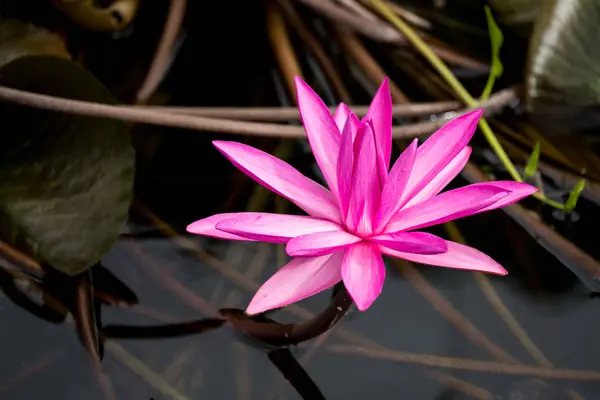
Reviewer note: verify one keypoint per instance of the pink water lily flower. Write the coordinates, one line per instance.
(368, 210)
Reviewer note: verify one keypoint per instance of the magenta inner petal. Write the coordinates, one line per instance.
(320, 243)
(412, 242)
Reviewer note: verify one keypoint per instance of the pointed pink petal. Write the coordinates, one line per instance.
(342, 113)
(412, 242)
(281, 178)
(441, 180)
(274, 228)
(440, 149)
(518, 191)
(366, 190)
(380, 113)
(300, 278)
(207, 227)
(391, 196)
(320, 243)
(447, 206)
(345, 163)
(363, 273)
(458, 256)
(321, 130)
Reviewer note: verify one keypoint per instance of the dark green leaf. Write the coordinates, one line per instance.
(18, 39)
(66, 181)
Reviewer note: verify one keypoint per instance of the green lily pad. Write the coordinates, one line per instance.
(564, 60)
(66, 181)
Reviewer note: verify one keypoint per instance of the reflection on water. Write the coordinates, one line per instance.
(433, 334)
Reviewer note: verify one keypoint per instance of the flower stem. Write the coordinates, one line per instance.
(460, 91)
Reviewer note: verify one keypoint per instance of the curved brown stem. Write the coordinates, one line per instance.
(149, 116)
(273, 333)
(162, 57)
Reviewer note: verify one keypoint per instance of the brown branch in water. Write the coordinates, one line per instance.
(377, 31)
(367, 62)
(504, 313)
(156, 315)
(382, 32)
(409, 16)
(20, 259)
(162, 57)
(282, 47)
(31, 369)
(291, 113)
(467, 364)
(142, 370)
(358, 9)
(176, 367)
(242, 371)
(498, 305)
(458, 384)
(315, 48)
(149, 116)
(189, 297)
(451, 314)
(562, 248)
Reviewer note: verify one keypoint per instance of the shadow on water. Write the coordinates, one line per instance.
(162, 316)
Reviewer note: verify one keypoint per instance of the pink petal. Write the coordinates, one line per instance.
(380, 113)
(518, 191)
(320, 243)
(391, 196)
(458, 256)
(345, 163)
(322, 132)
(366, 190)
(363, 273)
(342, 113)
(447, 206)
(274, 228)
(282, 179)
(440, 149)
(300, 278)
(441, 180)
(412, 242)
(207, 227)
(382, 164)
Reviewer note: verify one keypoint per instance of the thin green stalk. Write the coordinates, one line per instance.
(499, 150)
(460, 91)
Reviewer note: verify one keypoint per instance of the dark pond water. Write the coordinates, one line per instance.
(433, 334)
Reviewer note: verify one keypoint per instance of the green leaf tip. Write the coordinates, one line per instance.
(532, 163)
(496, 40)
(571, 202)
